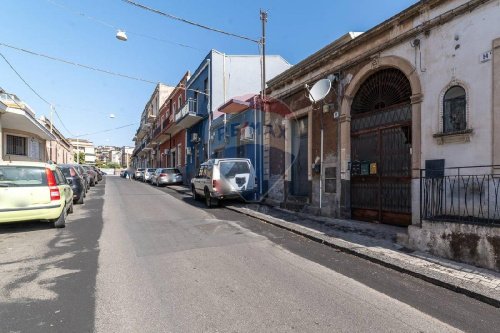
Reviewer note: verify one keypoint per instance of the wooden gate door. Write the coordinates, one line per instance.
(381, 149)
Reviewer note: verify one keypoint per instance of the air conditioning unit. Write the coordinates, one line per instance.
(247, 133)
(194, 137)
(166, 151)
(188, 151)
(153, 152)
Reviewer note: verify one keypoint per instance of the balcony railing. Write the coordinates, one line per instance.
(164, 124)
(156, 132)
(189, 108)
(466, 195)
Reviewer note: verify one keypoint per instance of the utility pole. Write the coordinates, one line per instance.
(263, 18)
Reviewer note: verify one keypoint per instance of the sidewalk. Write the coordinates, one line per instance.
(377, 243)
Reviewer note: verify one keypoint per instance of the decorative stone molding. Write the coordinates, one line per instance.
(454, 137)
(416, 98)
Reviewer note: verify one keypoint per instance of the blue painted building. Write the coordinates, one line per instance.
(217, 78)
(239, 133)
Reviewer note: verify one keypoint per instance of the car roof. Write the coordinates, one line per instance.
(28, 163)
(218, 160)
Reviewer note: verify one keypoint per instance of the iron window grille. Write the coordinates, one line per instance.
(454, 110)
(16, 145)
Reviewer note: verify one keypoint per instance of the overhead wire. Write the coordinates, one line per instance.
(106, 130)
(77, 64)
(109, 25)
(199, 25)
(36, 93)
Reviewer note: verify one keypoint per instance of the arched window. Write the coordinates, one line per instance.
(454, 110)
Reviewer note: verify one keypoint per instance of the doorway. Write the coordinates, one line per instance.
(381, 149)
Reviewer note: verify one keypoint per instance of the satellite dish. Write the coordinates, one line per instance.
(319, 90)
(121, 35)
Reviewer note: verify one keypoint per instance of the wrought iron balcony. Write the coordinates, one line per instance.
(188, 114)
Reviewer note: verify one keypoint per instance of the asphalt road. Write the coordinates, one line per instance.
(135, 258)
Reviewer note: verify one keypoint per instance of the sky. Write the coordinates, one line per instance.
(158, 49)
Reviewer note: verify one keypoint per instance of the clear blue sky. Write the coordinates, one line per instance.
(85, 99)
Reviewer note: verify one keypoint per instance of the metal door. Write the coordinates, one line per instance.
(381, 185)
(300, 184)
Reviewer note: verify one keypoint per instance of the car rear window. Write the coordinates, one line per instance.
(22, 176)
(232, 168)
(151, 170)
(170, 171)
(68, 171)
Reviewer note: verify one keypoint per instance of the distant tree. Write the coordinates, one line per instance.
(99, 163)
(112, 165)
(81, 158)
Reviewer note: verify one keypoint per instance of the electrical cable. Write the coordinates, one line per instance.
(106, 130)
(77, 64)
(109, 25)
(92, 68)
(173, 17)
(35, 92)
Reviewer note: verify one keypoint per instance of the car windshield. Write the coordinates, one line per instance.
(151, 170)
(232, 168)
(22, 176)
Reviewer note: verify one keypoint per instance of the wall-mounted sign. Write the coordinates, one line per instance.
(365, 168)
(486, 56)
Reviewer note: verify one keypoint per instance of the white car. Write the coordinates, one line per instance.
(225, 178)
(147, 174)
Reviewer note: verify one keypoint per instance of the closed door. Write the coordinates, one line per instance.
(300, 184)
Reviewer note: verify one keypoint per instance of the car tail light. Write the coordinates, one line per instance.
(163, 175)
(51, 181)
(214, 184)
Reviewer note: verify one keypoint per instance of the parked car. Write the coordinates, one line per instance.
(92, 175)
(34, 191)
(147, 174)
(98, 172)
(166, 176)
(139, 174)
(219, 179)
(75, 180)
(84, 174)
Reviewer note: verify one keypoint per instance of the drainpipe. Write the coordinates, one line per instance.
(209, 106)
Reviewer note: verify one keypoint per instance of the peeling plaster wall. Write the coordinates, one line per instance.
(473, 244)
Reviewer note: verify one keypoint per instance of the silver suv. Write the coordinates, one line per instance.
(225, 178)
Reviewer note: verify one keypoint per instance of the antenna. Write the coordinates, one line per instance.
(319, 90)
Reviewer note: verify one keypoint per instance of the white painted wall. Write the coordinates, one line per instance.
(443, 64)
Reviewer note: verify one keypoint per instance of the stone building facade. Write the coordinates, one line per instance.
(410, 126)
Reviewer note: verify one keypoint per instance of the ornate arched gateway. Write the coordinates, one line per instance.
(381, 123)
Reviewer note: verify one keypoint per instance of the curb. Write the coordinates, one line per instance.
(450, 286)
(344, 248)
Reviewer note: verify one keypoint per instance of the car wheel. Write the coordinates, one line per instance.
(80, 199)
(61, 221)
(209, 201)
(195, 195)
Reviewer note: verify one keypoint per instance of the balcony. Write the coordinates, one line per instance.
(156, 132)
(151, 117)
(188, 115)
